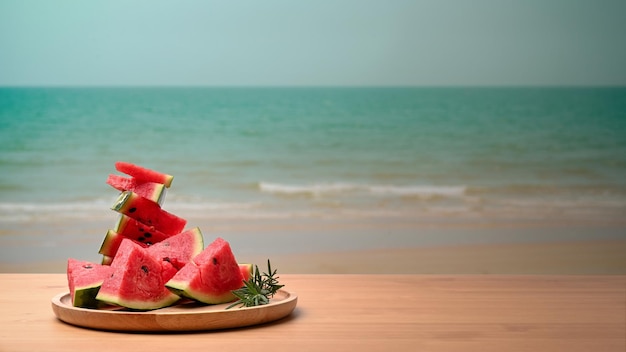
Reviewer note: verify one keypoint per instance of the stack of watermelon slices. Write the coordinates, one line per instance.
(149, 260)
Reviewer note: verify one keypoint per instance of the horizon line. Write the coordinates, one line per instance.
(279, 86)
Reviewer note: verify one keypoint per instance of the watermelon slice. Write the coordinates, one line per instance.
(137, 280)
(179, 249)
(84, 280)
(112, 242)
(150, 190)
(138, 231)
(148, 212)
(210, 276)
(130, 228)
(143, 174)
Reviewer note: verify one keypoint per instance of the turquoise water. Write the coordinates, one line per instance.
(431, 153)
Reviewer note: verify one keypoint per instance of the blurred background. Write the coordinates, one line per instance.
(483, 137)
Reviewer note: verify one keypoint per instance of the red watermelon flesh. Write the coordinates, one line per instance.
(143, 174)
(137, 281)
(168, 270)
(210, 276)
(148, 212)
(112, 242)
(84, 280)
(150, 190)
(246, 271)
(179, 249)
(138, 231)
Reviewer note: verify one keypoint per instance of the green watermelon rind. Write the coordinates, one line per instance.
(106, 247)
(181, 288)
(162, 194)
(85, 296)
(166, 301)
(121, 205)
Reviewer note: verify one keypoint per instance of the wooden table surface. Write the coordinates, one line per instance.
(362, 312)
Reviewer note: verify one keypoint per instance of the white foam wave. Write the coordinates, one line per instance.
(54, 207)
(383, 190)
(316, 189)
(200, 208)
(424, 191)
(15, 212)
(101, 209)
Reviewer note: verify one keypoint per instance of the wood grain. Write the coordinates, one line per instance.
(363, 312)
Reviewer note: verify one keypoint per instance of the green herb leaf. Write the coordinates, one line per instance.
(258, 290)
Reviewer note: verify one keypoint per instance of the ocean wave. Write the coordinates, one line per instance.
(209, 206)
(315, 189)
(19, 212)
(322, 189)
(421, 191)
(101, 209)
(337, 200)
(515, 189)
(58, 207)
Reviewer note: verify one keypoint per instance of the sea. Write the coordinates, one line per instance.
(438, 156)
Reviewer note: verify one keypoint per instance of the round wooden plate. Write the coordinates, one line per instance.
(181, 317)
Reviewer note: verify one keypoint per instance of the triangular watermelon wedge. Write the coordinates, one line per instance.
(144, 174)
(210, 277)
(179, 249)
(137, 280)
(149, 213)
(149, 190)
(84, 280)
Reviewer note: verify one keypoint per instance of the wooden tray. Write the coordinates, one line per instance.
(181, 317)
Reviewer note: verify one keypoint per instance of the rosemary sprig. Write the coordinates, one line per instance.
(258, 290)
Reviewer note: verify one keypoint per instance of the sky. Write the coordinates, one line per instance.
(312, 43)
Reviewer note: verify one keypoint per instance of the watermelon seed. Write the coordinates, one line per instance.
(144, 268)
(149, 243)
(140, 239)
(147, 234)
(214, 261)
(167, 259)
(87, 266)
(132, 210)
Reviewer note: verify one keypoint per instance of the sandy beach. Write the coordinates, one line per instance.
(298, 246)
(566, 258)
